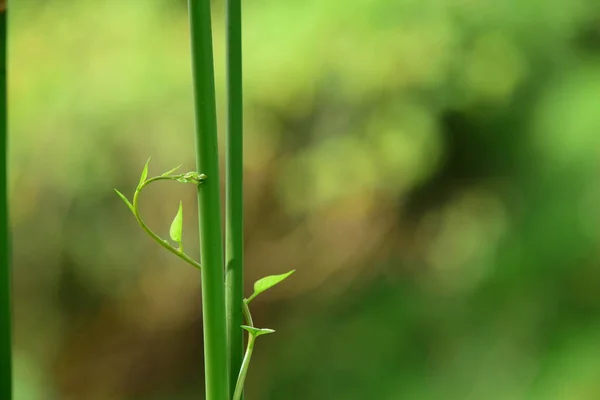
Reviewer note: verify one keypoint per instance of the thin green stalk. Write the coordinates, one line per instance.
(247, 314)
(209, 208)
(239, 388)
(234, 239)
(5, 286)
(253, 333)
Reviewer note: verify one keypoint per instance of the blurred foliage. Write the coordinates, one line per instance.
(429, 167)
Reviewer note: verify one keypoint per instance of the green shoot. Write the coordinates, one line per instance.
(176, 230)
(176, 234)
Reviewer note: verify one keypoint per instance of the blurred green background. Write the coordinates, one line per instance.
(430, 168)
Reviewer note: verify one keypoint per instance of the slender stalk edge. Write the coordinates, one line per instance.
(5, 275)
(239, 388)
(209, 208)
(234, 233)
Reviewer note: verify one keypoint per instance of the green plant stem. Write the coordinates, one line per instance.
(239, 387)
(153, 235)
(5, 286)
(234, 239)
(209, 207)
(247, 315)
(243, 370)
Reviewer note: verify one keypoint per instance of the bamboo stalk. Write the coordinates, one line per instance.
(234, 257)
(209, 208)
(5, 286)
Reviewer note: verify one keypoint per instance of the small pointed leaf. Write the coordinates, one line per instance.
(169, 172)
(122, 196)
(144, 173)
(257, 331)
(268, 282)
(177, 225)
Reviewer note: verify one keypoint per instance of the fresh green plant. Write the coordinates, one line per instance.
(177, 225)
(176, 247)
(223, 303)
(5, 303)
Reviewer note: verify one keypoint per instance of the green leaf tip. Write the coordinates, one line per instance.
(122, 196)
(177, 226)
(169, 172)
(268, 282)
(144, 173)
(255, 332)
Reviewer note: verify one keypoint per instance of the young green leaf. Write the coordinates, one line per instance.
(268, 282)
(122, 196)
(144, 173)
(257, 331)
(169, 172)
(177, 226)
